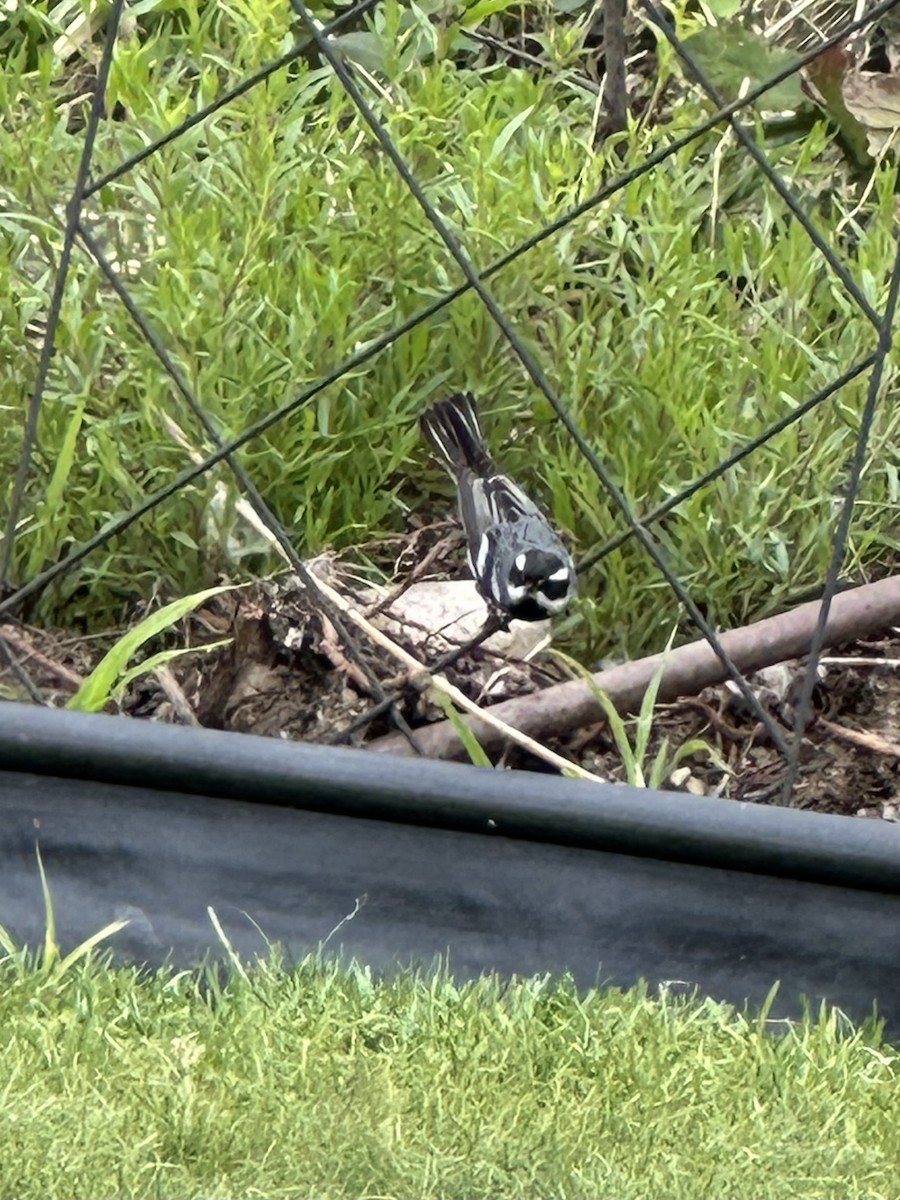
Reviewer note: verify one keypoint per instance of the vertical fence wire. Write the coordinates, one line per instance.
(225, 449)
(842, 530)
(73, 216)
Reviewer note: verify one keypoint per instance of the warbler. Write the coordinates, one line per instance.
(518, 561)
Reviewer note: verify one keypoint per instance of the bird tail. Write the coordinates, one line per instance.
(451, 426)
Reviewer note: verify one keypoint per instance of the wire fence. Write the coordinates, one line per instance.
(476, 279)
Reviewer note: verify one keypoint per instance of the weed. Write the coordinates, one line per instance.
(270, 242)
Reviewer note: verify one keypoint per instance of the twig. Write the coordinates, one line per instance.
(688, 669)
(718, 722)
(421, 568)
(421, 674)
(20, 673)
(867, 739)
(71, 681)
(175, 695)
(332, 647)
(490, 627)
(892, 664)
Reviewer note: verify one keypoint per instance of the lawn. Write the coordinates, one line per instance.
(320, 1081)
(274, 240)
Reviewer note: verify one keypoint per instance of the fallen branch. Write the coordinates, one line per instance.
(689, 669)
(503, 731)
(174, 693)
(868, 739)
(69, 681)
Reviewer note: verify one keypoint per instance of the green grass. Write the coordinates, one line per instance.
(274, 240)
(325, 1082)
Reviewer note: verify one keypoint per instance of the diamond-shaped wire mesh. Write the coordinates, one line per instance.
(451, 261)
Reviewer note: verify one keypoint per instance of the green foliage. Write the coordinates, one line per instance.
(112, 674)
(50, 965)
(271, 242)
(731, 55)
(476, 752)
(640, 770)
(323, 1081)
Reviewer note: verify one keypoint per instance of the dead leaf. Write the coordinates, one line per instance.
(873, 98)
(823, 80)
(890, 27)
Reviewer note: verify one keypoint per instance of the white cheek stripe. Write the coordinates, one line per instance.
(484, 549)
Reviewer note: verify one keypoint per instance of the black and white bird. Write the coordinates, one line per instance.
(519, 563)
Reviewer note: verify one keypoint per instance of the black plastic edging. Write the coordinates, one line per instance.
(515, 804)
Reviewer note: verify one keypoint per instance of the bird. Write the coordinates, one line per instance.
(518, 561)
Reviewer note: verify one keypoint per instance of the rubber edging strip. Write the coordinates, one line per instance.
(671, 826)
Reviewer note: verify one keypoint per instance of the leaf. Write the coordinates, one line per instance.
(873, 98)
(723, 10)
(160, 660)
(482, 9)
(823, 80)
(633, 772)
(53, 496)
(648, 703)
(51, 949)
(728, 54)
(98, 687)
(474, 748)
(508, 131)
(361, 47)
(84, 948)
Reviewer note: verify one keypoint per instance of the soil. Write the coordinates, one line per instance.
(286, 671)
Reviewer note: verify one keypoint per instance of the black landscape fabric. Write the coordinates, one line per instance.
(469, 894)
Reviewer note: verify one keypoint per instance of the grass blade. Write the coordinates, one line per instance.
(85, 947)
(474, 748)
(51, 949)
(97, 689)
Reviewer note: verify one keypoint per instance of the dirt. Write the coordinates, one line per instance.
(850, 755)
(287, 671)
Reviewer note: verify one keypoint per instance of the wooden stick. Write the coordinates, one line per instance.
(689, 669)
(502, 730)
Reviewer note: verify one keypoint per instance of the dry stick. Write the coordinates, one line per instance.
(69, 680)
(867, 739)
(893, 664)
(417, 671)
(421, 568)
(488, 629)
(616, 97)
(25, 680)
(174, 693)
(687, 671)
